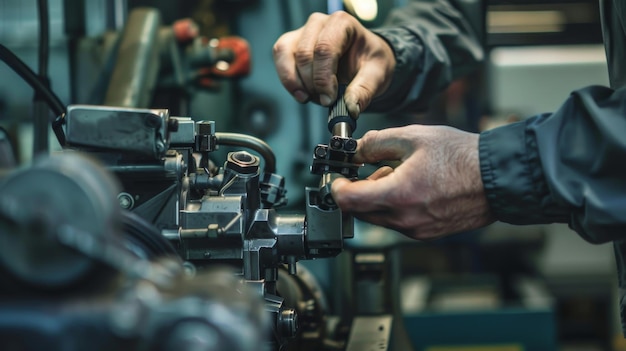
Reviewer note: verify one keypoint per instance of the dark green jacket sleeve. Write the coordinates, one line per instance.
(434, 43)
(569, 166)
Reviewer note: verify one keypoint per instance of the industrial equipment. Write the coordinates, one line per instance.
(151, 209)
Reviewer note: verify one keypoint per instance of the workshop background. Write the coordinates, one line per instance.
(500, 288)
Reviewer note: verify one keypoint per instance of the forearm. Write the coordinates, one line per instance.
(563, 167)
(434, 44)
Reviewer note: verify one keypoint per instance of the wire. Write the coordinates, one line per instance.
(44, 38)
(41, 115)
(19, 67)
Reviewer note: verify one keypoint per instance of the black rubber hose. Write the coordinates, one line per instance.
(256, 144)
(41, 111)
(44, 38)
(19, 67)
(57, 107)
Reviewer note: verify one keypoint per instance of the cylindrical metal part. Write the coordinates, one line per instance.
(65, 192)
(288, 322)
(133, 79)
(325, 189)
(242, 162)
(338, 114)
(256, 144)
(342, 129)
(171, 234)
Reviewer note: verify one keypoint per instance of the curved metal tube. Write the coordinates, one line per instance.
(253, 143)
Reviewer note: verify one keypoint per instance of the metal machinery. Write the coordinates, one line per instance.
(210, 214)
(60, 221)
(137, 236)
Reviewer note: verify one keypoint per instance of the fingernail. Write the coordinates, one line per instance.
(325, 100)
(301, 96)
(353, 109)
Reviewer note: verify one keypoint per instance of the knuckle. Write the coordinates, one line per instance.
(369, 136)
(324, 50)
(284, 43)
(303, 56)
(321, 81)
(341, 16)
(278, 48)
(316, 17)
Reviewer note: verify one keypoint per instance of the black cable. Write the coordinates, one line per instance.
(44, 38)
(41, 112)
(19, 67)
(256, 144)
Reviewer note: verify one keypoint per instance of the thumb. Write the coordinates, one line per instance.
(382, 145)
(361, 195)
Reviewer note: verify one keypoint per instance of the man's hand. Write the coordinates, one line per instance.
(308, 61)
(436, 190)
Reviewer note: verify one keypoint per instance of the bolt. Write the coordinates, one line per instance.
(320, 152)
(336, 143)
(207, 254)
(126, 201)
(350, 145)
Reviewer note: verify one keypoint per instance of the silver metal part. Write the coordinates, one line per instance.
(140, 131)
(342, 129)
(67, 190)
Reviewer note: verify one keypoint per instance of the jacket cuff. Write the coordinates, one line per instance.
(512, 175)
(407, 48)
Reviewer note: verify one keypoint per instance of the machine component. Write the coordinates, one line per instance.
(148, 302)
(336, 156)
(217, 216)
(134, 77)
(34, 210)
(139, 131)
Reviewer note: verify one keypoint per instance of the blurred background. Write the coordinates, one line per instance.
(499, 288)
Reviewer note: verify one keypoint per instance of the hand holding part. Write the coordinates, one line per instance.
(313, 59)
(436, 190)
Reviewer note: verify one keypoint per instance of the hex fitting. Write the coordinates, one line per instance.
(242, 162)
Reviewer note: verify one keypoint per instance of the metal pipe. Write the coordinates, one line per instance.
(134, 77)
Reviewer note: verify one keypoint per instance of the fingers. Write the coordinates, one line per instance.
(373, 76)
(285, 63)
(362, 195)
(383, 145)
(381, 172)
(332, 42)
(305, 49)
(307, 59)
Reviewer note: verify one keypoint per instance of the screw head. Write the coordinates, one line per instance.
(126, 200)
